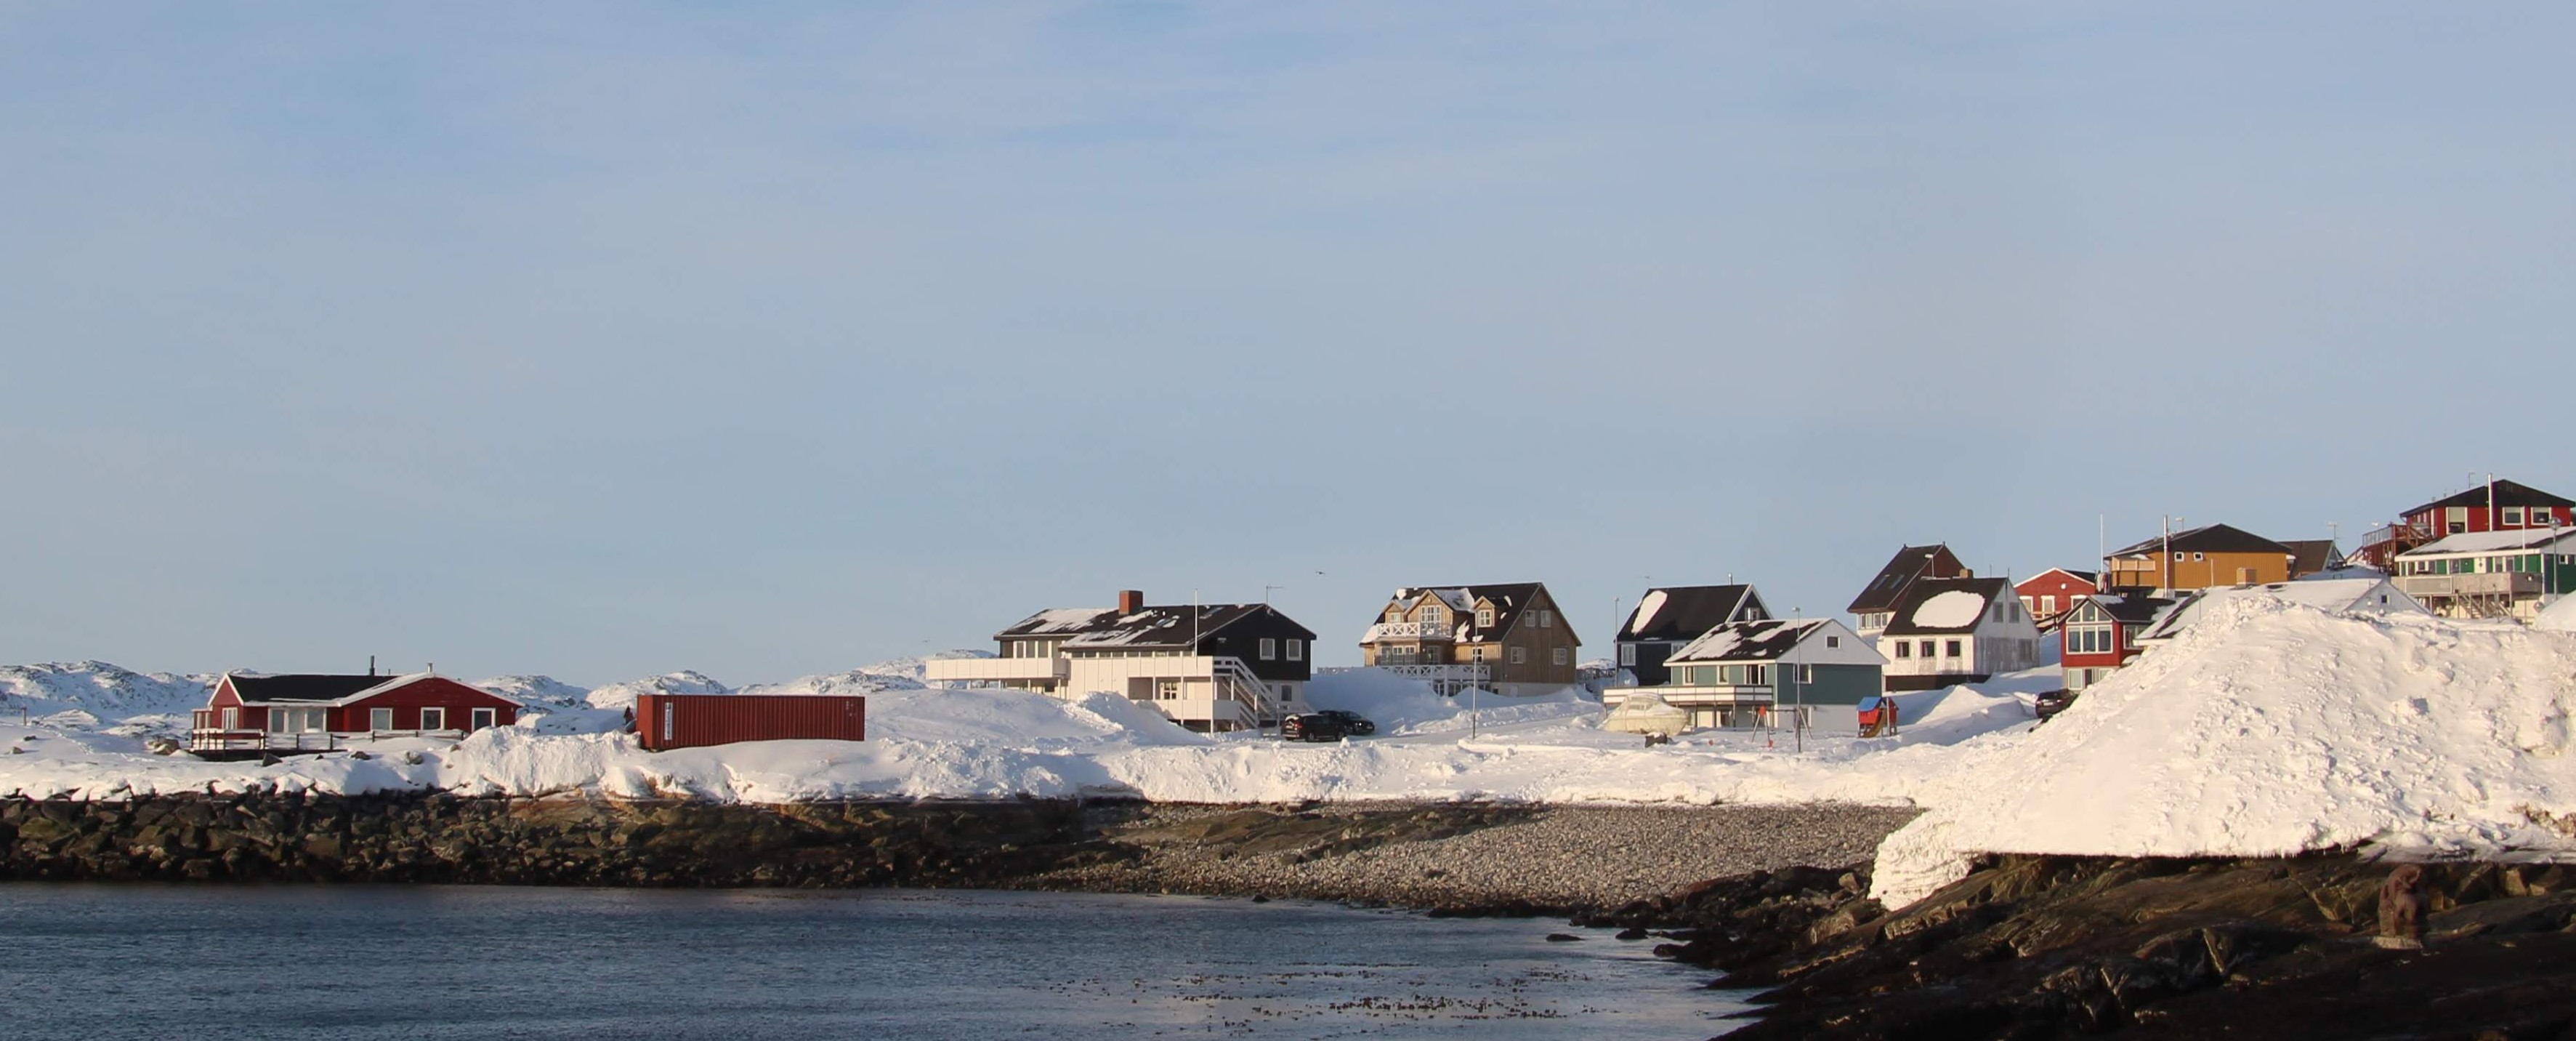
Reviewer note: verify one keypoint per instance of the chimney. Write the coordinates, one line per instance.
(1130, 601)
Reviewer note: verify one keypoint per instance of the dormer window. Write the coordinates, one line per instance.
(1485, 617)
(1431, 615)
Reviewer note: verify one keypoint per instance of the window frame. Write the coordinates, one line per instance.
(380, 719)
(1520, 656)
(427, 712)
(1269, 648)
(1296, 649)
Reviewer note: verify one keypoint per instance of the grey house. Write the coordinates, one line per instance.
(1740, 673)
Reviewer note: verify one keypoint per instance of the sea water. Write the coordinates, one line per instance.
(473, 962)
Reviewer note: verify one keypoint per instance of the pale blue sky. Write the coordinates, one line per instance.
(603, 340)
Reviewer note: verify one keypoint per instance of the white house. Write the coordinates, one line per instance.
(1210, 667)
(1947, 631)
(2491, 574)
(2340, 595)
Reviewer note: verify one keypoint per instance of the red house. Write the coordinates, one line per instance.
(2494, 506)
(2054, 592)
(2101, 634)
(252, 714)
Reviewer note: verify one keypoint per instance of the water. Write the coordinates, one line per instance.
(108, 962)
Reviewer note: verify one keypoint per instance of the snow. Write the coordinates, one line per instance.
(1646, 608)
(1955, 609)
(2558, 617)
(2493, 541)
(2269, 728)
(2274, 728)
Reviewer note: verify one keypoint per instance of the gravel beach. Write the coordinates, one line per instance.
(1449, 855)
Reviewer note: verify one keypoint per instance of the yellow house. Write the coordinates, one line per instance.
(2200, 558)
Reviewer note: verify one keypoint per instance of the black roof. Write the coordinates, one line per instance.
(1764, 640)
(2138, 610)
(1902, 623)
(2208, 538)
(1160, 626)
(2309, 556)
(2507, 493)
(1908, 564)
(1689, 611)
(303, 687)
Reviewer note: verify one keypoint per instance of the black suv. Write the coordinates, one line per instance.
(1352, 723)
(1314, 726)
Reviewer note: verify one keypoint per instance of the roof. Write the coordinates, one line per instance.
(2090, 578)
(2492, 541)
(312, 687)
(1164, 626)
(1748, 641)
(2208, 538)
(2345, 594)
(2134, 610)
(1684, 612)
(1509, 600)
(2308, 556)
(319, 689)
(1948, 613)
(2507, 493)
(1908, 564)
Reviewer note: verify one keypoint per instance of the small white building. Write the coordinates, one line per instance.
(2339, 595)
(1947, 631)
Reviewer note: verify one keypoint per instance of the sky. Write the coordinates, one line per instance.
(604, 340)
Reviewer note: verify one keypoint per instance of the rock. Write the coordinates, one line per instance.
(156, 746)
(1563, 938)
(359, 754)
(1633, 933)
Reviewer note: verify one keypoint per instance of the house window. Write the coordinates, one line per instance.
(1923, 648)
(2047, 605)
(2513, 515)
(1485, 617)
(1627, 654)
(433, 719)
(1167, 689)
(2195, 558)
(1833, 641)
(1559, 655)
(484, 718)
(1520, 655)
(1475, 654)
(232, 718)
(1431, 616)
(1296, 650)
(1904, 649)
(1950, 649)
(1269, 648)
(380, 719)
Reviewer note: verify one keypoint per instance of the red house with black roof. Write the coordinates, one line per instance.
(2498, 505)
(252, 714)
(2100, 634)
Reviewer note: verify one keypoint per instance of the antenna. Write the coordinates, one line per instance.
(1266, 591)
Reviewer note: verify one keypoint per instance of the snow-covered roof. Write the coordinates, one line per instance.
(1945, 605)
(323, 689)
(2357, 595)
(1510, 599)
(1773, 639)
(2493, 542)
(1173, 625)
(1685, 612)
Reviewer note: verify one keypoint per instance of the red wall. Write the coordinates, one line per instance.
(722, 719)
(2435, 520)
(433, 692)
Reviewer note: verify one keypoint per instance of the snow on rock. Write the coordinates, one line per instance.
(2273, 728)
(622, 695)
(1950, 610)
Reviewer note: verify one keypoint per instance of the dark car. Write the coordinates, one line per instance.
(2052, 703)
(1352, 723)
(1313, 726)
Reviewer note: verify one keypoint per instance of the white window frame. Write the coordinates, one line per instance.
(1627, 654)
(1520, 655)
(2513, 515)
(483, 718)
(232, 717)
(1296, 649)
(380, 719)
(1269, 649)
(425, 715)
(1558, 656)
(1484, 618)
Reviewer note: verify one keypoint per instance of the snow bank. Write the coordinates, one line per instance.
(2560, 617)
(2270, 729)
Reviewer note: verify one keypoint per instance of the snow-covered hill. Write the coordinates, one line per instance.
(97, 695)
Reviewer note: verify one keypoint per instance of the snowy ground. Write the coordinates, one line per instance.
(2272, 728)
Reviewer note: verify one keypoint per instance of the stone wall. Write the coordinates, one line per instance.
(542, 841)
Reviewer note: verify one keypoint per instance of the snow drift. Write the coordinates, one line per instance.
(2271, 729)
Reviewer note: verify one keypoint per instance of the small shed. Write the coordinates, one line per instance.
(667, 721)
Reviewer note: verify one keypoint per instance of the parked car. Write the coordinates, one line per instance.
(1313, 726)
(2052, 703)
(1352, 723)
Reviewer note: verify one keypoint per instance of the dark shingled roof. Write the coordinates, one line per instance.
(2208, 538)
(1163, 626)
(1909, 563)
(303, 687)
(1689, 611)
(1902, 624)
(2136, 610)
(1765, 640)
(2309, 556)
(2507, 493)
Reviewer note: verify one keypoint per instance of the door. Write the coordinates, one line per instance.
(483, 717)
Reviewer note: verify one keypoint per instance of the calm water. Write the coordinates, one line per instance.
(104, 962)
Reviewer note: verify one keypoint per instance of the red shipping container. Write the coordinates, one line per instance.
(665, 721)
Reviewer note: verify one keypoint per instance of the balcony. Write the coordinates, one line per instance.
(993, 670)
(2516, 584)
(1383, 631)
